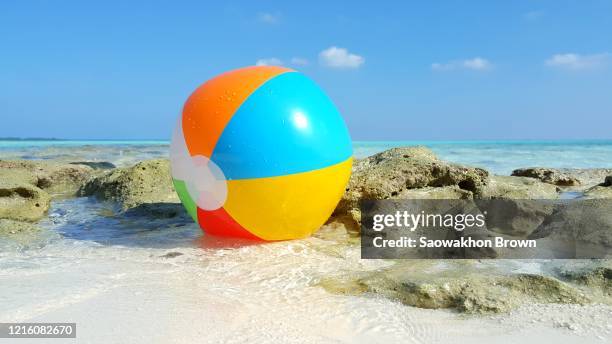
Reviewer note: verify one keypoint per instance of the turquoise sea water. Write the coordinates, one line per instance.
(499, 157)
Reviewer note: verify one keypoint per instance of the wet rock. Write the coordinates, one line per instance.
(518, 188)
(96, 165)
(23, 234)
(337, 233)
(457, 287)
(333, 240)
(511, 208)
(158, 211)
(582, 227)
(547, 175)
(515, 217)
(596, 278)
(12, 227)
(172, 254)
(146, 182)
(21, 201)
(445, 192)
(57, 179)
(587, 177)
(603, 190)
(395, 172)
(18, 176)
(598, 192)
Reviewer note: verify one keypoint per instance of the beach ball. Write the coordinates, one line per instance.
(260, 153)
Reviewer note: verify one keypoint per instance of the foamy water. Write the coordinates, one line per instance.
(137, 281)
(133, 281)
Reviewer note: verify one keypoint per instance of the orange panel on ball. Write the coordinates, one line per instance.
(212, 105)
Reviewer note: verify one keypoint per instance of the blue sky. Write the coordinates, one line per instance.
(443, 70)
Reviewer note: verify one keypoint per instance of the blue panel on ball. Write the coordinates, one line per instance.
(288, 125)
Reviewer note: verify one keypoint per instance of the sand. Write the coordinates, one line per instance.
(209, 291)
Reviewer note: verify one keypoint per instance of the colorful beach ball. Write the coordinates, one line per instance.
(260, 153)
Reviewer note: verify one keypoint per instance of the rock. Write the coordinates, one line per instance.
(598, 192)
(159, 211)
(584, 227)
(515, 217)
(96, 165)
(397, 172)
(596, 278)
(57, 179)
(18, 176)
(21, 201)
(338, 234)
(547, 175)
(456, 286)
(172, 254)
(26, 188)
(603, 190)
(20, 235)
(146, 182)
(518, 188)
(12, 227)
(587, 177)
(512, 210)
(445, 192)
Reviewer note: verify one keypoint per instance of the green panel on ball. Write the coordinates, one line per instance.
(190, 205)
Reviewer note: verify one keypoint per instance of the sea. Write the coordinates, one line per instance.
(499, 157)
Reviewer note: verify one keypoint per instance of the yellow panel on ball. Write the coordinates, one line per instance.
(290, 206)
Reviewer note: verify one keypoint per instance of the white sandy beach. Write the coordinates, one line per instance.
(262, 293)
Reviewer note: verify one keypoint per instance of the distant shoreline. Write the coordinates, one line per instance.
(30, 139)
(74, 140)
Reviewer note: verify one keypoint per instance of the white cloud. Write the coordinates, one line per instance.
(578, 62)
(271, 61)
(268, 17)
(299, 61)
(477, 63)
(335, 57)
